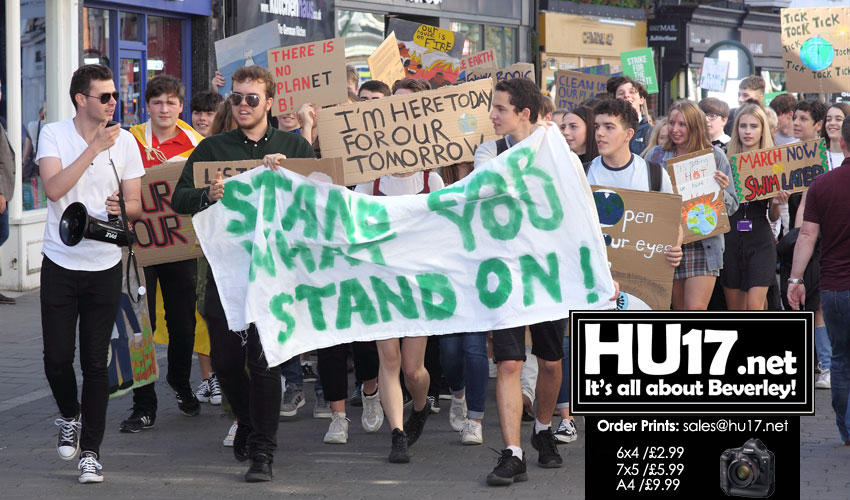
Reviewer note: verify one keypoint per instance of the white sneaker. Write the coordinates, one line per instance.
(457, 413)
(566, 432)
(203, 392)
(231, 435)
(373, 412)
(471, 433)
(90, 468)
(823, 380)
(337, 430)
(215, 390)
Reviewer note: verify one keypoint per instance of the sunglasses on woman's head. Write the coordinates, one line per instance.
(104, 98)
(252, 100)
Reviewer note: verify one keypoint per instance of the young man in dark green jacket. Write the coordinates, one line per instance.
(255, 398)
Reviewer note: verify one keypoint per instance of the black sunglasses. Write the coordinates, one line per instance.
(104, 98)
(252, 100)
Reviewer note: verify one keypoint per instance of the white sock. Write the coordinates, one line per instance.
(340, 413)
(516, 450)
(541, 427)
(459, 400)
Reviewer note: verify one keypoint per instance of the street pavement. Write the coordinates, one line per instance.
(183, 457)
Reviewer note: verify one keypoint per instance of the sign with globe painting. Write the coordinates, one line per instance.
(638, 227)
(703, 208)
(816, 49)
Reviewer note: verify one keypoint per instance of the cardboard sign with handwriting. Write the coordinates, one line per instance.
(638, 227)
(385, 63)
(518, 70)
(703, 206)
(325, 169)
(815, 49)
(406, 133)
(484, 59)
(162, 234)
(572, 88)
(761, 174)
(311, 72)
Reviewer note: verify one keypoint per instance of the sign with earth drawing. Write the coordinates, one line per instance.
(703, 206)
(816, 49)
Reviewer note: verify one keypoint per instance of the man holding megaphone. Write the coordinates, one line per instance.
(81, 160)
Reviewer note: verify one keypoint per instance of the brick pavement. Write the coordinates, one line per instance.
(183, 457)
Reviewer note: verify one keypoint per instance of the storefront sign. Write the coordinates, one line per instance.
(816, 49)
(640, 66)
(385, 63)
(410, 132)
(298, 21)
(429, 53)
(573, 88)
(713, 74)
(665, 32)
(703, 211)
(597, 38)
(638, 228)
(793, 167)
(312, 72)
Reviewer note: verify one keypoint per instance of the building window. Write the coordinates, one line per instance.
(503, 41)
(363, 33)
(473, 36)
(96, 45)
(164, 54)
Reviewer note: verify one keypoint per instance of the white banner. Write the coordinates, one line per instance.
(515, 243)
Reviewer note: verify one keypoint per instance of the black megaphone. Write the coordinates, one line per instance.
(76, 224)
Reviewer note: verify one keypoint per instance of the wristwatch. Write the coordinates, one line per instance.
(795, 281)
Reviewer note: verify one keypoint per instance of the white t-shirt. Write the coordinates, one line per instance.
(835, 159)
(390, 185)
(61, 140)
(633, 175)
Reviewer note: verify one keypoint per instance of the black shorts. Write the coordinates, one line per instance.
(546, 342)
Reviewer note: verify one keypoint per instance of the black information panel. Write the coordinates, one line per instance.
(692, 404)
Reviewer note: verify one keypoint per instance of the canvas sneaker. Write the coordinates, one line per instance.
(90, 468)
(322, 408)
(337, 430)
(215, 390)
(434, 404)
(566, 432)
(203, 391)
(373, 413)
(231, 435)
(509, 469)
(292, 400)
(68, 443)
(823, 380)
(471, 433)
(457, 414)
(188, 403)
(138, 421)
(308, 374)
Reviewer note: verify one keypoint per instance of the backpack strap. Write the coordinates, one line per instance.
(375, 185)
(501, 146)
(586, 166)
(654, 172)
(427, 186)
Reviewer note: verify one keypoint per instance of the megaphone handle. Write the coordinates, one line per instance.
(125, 221)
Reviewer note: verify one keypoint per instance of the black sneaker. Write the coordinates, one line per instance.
(188, 403)
(260, 469)
(545, 443)
(240, 442)
(509, 469)
(138, 421)
(399, 454)
(357, 396)
(308, 374)
(416, 422)
(68, 443)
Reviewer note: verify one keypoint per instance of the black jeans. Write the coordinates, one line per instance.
(93, 296)
(177, 281)
(254, 397)
(333, 370)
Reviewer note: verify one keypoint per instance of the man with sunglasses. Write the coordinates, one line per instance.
(79, 160)
(253, 396)
(162, 139)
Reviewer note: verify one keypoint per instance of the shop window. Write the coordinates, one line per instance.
(129, 26)
(503, 41)
(164, 55)
(33, 92)
(363, 33)
(473, 36)
(96, 37)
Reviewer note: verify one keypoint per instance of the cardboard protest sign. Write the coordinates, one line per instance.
(427, 52)
(385, 63)
(572, 88)
(713, 74)
(638, 227)
(815, 49)
(640, 66)
(793, 167)
(162, 234)
(703, 206)
(311, 72)
(485, 59)
(314, 265)
(408, 132)
(245, 49)
(518, 70)
(324, 170)
(601, 69)
(132, 358)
